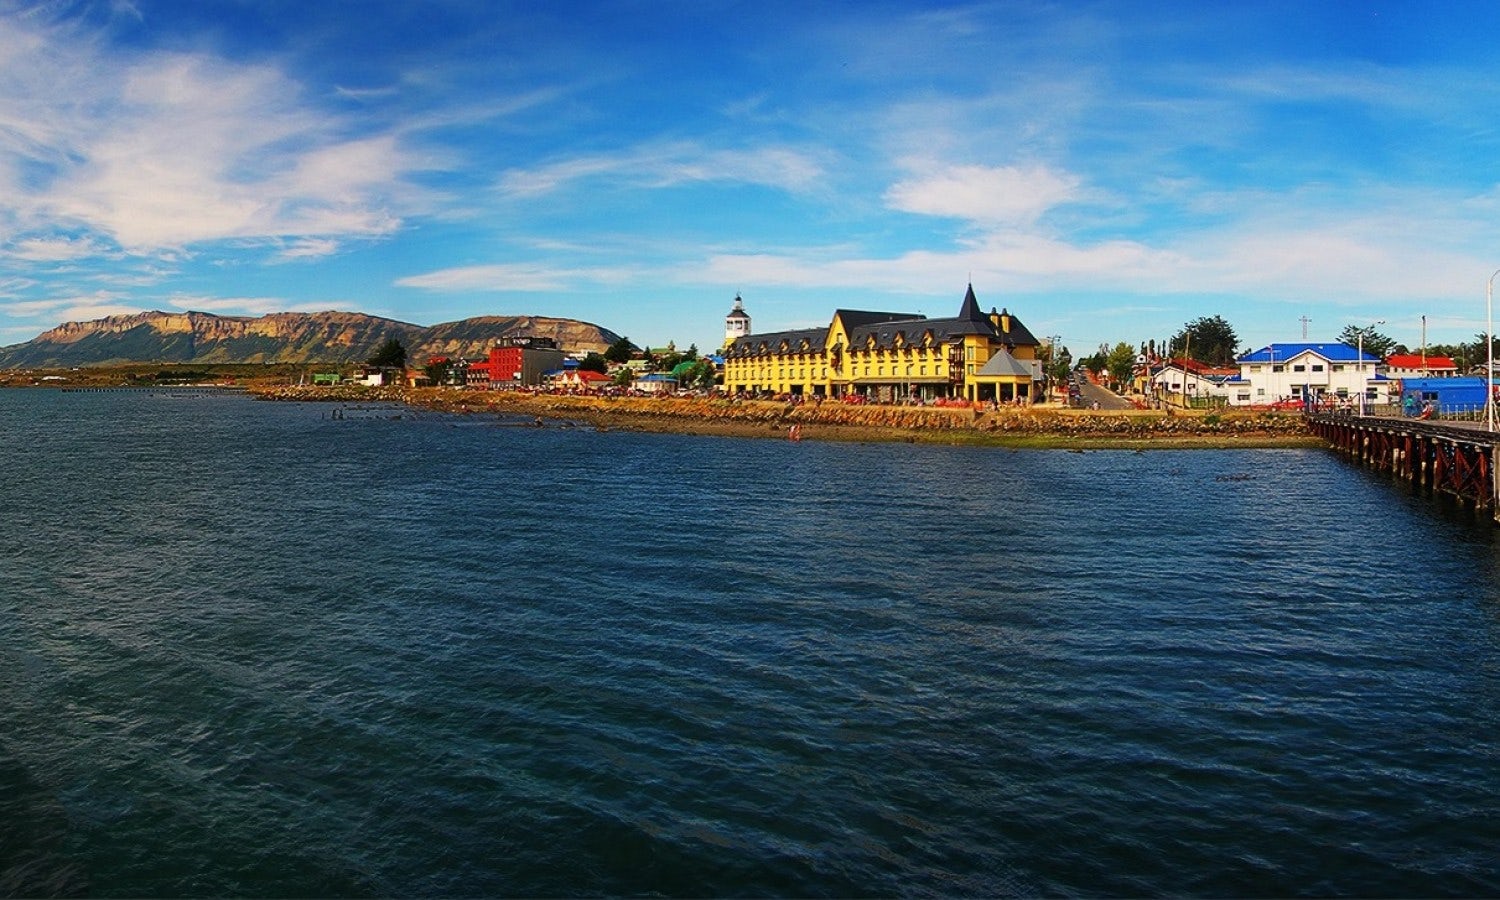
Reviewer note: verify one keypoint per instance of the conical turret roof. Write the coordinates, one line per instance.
(970, 310)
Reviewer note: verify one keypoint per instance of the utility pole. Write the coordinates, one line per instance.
(1304, 320)
(1187, 343)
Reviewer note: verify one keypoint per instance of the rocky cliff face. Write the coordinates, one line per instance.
(326, 337)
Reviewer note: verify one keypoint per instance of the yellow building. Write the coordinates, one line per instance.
(887, 357)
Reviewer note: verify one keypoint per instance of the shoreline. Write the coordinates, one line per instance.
(1008, 427)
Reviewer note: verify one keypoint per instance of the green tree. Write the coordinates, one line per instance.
(702, 375)
(437, 372)
(593, 362)
(1098, 362)
(1058, 362)
(1208, 339)
(1121, 363)
(389, 355)
(1374, 342)
(620, 351)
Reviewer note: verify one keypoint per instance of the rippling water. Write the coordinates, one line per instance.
(254, 649)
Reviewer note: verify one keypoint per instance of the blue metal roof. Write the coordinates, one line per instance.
(1333, 352)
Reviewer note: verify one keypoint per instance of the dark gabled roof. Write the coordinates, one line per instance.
(912, 331)
(886, 327)
(815, 337)
(1019, 335)
(859, 318)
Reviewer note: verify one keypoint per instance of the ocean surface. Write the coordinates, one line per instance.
(270, 649)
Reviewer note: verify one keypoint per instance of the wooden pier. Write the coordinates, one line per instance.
(1453, 458)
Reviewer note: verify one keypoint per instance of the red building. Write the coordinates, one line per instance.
(515, 361)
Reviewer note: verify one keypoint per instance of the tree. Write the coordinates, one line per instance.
(620, 351)
(593, 362)
(1096, 363)
(437, 372)
(1374, 342)
(389, 355)
(700, 375)
(1121, 363)
(1208, 339)
(1058, 362)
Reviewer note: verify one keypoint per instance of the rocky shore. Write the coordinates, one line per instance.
(833, 421)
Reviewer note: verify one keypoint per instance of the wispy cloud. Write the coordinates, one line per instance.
(987, 194)
(501, 277)
(60, 249)
(307, 248)
(667, 165)
(77, 308)
(171, 149)
(248, 306)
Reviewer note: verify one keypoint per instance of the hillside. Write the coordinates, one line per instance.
(333, 338)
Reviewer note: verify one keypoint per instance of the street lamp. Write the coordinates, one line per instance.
(1360, 351)
(1489, 353)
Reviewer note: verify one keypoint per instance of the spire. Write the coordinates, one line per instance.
(970, 310)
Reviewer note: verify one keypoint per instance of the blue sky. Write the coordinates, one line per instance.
(1107, 171)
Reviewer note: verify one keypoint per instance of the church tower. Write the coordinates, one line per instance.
(737, 323)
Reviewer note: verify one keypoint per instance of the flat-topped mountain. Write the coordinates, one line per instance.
(325, 337)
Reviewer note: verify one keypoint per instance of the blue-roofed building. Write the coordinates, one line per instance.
(1308, 371)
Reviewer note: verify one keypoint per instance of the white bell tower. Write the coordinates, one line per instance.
(737, 323)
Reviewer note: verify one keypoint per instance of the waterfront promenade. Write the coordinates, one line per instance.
(832, 420)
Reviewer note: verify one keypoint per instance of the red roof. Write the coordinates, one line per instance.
(1194, 367)
(590, 375)
(1415, 361)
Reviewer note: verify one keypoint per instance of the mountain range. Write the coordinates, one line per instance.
(331, 338)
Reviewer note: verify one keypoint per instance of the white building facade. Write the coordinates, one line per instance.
(1296, 372)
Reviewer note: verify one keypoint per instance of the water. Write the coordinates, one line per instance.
(251, 649)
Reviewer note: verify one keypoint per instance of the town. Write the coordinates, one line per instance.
(974, 358)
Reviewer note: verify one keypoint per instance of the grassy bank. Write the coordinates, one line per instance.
(1006, 427)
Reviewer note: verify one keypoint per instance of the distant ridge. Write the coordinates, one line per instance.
(332, 338)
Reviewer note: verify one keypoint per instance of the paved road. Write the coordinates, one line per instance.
(1107, 399)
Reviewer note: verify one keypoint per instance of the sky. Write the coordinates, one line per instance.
(1106, 171)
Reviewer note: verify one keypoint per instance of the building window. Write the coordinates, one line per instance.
(1338, 368)
(1299, 368)
(1317, 367)
(1278, 368)
(1243, 396)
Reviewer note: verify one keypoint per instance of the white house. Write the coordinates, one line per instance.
(1186, 378)
(1280, 372)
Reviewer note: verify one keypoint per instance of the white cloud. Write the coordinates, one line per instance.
(987, 194)
(501, 277)
(308, 248)
(56, 249)
(29, 308)
(244, 306)
(77, 308)
(9, 287)
(667, 165)
(164, 150)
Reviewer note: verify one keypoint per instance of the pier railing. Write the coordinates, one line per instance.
(1449, 456)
